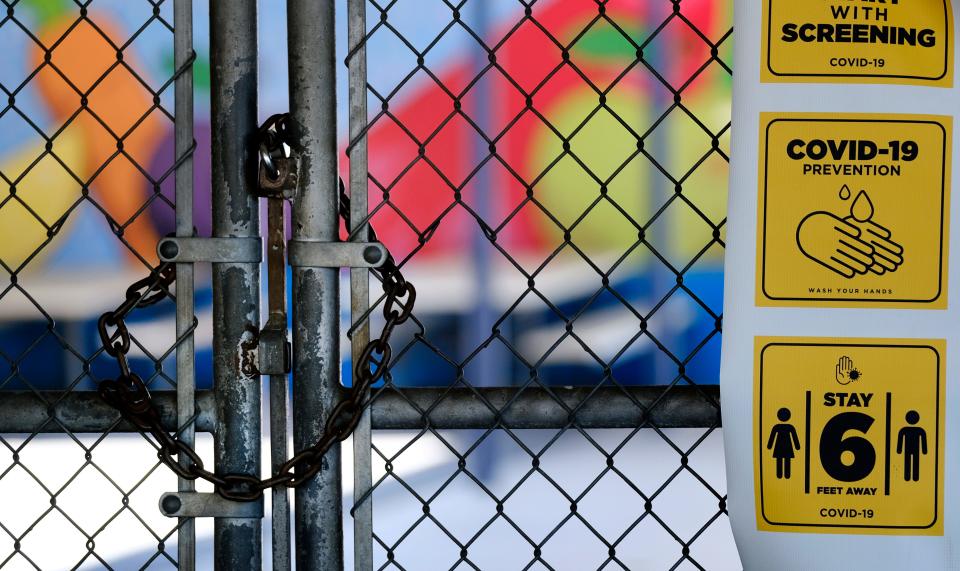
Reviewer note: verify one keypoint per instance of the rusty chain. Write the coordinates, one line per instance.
(129, 395)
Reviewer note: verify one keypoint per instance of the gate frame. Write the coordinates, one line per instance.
(232, 410)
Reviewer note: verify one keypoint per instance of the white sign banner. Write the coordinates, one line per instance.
(840, 338)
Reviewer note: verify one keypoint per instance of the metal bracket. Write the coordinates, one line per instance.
(216, 250)
(273, 349)
(303, 253)
(196, 504)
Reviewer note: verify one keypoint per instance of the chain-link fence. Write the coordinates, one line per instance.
(88, 145)
(551, 175)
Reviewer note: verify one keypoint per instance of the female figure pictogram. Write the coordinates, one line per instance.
(784, 441)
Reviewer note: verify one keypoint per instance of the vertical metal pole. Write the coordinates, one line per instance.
(316, 291)
(277, 294)
(360, 278)
(662, 279)
(490, 365)
(236, 287)
(183, 144)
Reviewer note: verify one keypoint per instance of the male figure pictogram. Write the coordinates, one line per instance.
(783, 440)
(912, 442)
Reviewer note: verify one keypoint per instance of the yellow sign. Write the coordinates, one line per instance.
(849, 435)
(853, 210)
(858, 41)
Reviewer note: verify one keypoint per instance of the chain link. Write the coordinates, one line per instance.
(130, 396)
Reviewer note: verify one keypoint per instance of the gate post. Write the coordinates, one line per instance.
(186, 378)
(236, 286)
(316, 291)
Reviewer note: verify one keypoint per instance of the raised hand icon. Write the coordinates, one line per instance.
(846, 373)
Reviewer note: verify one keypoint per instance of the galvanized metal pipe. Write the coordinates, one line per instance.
(607, 407)
(85, 411)
(316, 328)
(236, 297)
(360, 277)
(183, 145)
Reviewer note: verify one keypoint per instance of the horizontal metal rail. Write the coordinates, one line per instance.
(607, 407)
(392, 409)
(85, 411)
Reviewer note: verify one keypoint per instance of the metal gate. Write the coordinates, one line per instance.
(566, 413)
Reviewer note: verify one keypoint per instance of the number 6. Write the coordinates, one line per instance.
(833, 445)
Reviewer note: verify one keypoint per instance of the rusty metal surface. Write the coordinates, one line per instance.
(236, 286)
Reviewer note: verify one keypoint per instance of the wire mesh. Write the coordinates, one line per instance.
(560, 269)
(558, 185)
(86, 113)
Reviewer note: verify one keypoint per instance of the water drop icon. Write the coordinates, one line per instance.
(862, 209)
(845, 193)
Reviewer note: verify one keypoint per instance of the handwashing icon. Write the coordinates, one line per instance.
(849, 246)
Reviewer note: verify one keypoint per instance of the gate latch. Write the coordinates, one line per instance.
(273, 349)
(196, 504)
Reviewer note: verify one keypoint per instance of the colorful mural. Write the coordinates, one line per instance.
(564, 105)
(87, 137)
